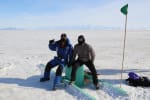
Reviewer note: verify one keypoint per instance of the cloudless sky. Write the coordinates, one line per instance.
(40, 14)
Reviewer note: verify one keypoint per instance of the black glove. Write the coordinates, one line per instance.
(51, 41)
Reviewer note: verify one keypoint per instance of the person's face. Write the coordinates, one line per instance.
(80, 41)
(63, 36)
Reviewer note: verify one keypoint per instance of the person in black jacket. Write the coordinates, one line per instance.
(86, 57)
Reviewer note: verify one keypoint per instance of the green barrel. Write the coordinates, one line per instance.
(79, 75)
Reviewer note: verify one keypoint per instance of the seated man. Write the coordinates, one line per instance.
(64, 55)
(86, 57)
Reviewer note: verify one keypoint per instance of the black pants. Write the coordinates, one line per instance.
(90, 66)
(58, 71)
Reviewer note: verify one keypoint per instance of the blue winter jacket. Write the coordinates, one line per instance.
(64, 53)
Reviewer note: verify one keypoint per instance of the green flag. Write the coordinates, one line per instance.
(124, 9)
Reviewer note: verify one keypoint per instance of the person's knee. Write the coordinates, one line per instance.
(48, 67)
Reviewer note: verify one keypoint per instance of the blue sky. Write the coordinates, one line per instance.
(48, 14)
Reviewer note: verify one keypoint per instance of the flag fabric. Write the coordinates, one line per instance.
(124, 9)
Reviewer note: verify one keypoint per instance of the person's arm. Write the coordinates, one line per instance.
(92, 53)
(74, 54)
(70, 53)
(52, 45)
(70, 56)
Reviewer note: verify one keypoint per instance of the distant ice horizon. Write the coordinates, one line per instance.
(81, 27)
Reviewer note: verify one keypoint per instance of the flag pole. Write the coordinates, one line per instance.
(124, 46)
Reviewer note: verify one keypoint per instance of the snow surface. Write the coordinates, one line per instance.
(21, 52)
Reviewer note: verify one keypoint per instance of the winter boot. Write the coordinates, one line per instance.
(57, 80)
(97, 86)
(71, 82)
(46, 77)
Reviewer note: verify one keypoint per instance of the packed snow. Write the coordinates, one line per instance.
(21, 52)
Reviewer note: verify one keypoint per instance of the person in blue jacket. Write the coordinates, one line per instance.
(64, 51)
